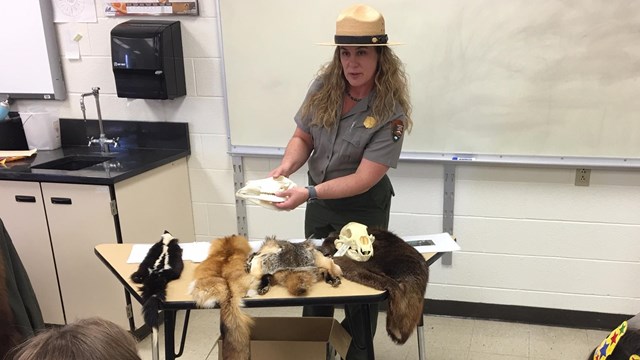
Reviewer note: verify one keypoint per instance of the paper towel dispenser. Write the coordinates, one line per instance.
(147, 59)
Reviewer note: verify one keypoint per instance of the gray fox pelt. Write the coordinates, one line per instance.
(396, 267)
(296, 266)
(222, 279)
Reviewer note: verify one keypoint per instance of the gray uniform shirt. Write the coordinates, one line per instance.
(338, 151)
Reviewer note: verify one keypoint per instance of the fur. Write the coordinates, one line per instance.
(396, 267)
(9, 334)
(162, 264)
(297, 266)
(222, 279)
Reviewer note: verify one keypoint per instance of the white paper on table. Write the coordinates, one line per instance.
(442, 242)
(195, 252)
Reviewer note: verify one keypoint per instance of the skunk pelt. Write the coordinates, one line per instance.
(162, 264)
(396, 267)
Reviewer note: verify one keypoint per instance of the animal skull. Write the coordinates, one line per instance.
(356, 235)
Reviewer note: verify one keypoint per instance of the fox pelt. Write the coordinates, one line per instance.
(222, 279)
(396, 267)
(162, 264)
(296, 266)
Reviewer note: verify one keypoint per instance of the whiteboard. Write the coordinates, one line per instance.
(515, 77)
(30, 62)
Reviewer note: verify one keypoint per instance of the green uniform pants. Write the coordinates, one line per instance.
(322, 217)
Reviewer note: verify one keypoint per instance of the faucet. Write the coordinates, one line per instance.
(102, 140)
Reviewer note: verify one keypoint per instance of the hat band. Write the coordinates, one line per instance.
(368, 39)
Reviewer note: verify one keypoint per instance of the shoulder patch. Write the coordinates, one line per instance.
(397, 129)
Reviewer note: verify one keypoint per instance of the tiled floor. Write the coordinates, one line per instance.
(446, 338)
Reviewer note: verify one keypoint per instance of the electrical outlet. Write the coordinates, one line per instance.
(582, 177)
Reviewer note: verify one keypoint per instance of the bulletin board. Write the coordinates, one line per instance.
(519, 77)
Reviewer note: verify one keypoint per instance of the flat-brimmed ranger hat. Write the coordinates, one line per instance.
(360, 25)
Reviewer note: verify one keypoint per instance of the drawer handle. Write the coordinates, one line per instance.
(25, 198)
(61, 201)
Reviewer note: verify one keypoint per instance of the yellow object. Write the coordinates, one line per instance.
(607, 346)
(14, 155)
(370, 122)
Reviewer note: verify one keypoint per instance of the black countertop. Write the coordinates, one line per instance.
(127, 160)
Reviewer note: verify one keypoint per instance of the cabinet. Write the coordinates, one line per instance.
(55, 227)
(22, 211)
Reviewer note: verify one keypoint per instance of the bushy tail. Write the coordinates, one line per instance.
(404, 312)
(208, 292)
(406, 304)
(154, 292)
(235, 327)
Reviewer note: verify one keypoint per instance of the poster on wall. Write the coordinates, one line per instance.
(74, 11)
(151, 7)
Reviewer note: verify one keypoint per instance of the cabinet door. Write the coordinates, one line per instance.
(22, 212)
(166, 188)
(79, 219)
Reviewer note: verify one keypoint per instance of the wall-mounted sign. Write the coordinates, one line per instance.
(151, 7)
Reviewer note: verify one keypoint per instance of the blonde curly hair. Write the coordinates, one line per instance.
(390, 84)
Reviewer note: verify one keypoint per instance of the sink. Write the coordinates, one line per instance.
(73, 162)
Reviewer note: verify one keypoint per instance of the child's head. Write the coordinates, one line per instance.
(87, 339)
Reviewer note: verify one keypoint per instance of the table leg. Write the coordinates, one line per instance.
(155, 346)
(366, 325)
(169, 334)
(421, 343)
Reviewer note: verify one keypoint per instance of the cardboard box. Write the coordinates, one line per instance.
(287, 338)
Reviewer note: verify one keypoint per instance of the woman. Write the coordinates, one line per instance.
(87, 339)
(350, 131)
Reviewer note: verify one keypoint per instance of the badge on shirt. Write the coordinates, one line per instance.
(397, 128)
(370, 122)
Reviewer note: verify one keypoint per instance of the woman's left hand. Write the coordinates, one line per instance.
(295, 197)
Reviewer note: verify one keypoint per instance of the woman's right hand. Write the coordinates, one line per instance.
(295, 196)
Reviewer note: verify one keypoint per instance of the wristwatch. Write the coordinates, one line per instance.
(313, 194)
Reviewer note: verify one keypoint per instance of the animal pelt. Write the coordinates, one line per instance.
(396, 267)
(297, 266)
(9, 334)
(222, 279)
(162, 264)
(624, 346)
